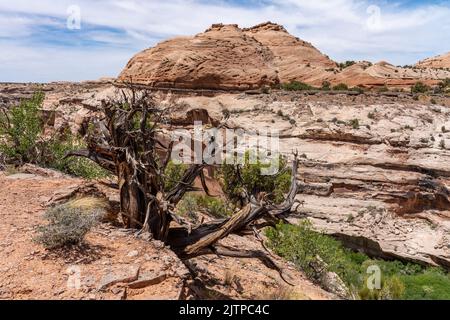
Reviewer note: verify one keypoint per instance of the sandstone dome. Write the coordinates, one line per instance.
(223, 57)
(442, 61)
(227, 57)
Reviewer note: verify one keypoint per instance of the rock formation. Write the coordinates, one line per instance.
(381, 184)
(375, 170)
(226, 57)
(442, 61)
(385, 74)
(293, 59)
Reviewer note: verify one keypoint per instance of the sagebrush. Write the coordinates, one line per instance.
(67, 225)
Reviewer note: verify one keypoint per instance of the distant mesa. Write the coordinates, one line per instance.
(226, 57)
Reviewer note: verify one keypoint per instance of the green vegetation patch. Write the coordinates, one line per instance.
(302, 245)
(21, 141)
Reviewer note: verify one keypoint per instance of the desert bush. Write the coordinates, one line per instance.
(67, 225)
(21, 142)
(445, 84)
(340, 87)
(296, 86)
(432, 284)
(53, 156)
(346, 64)
(174, 173)
(20, 130)
(326, 86)
(188, 207)
(301, 245)
(420, 87)
(214, 206)
(281, 293)
(354, 123)
(235, 179)
(392, 288)
(383, 89)
(358, 89)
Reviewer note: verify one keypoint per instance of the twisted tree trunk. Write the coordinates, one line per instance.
(129, 144)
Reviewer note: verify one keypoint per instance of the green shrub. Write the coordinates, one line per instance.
(301, 245)
(392, 288)
(346, 64)
(354, 123)
(445, 84)
(193, 203)
(420, 87)
(236, 179)
(383, 89)
(21, 129)
(66, 226)
(326, 86)
(215, 207)
(174, 173)
(360, 90)
(430, 285)
(296, 86)
(188, 207)
(340, 87)
(55, 150)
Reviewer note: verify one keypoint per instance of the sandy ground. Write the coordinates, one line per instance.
(114, 264)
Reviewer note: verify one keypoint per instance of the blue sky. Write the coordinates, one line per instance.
(36, 44)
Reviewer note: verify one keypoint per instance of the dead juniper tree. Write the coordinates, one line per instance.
(130, 142)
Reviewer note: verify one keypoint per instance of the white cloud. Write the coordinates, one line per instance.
(337, 27)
